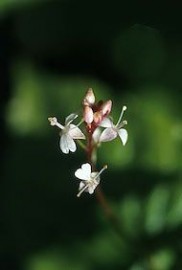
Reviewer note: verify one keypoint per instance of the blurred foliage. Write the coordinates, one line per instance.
(56, 58)
(9, 5)
(39, 94)
(139, 52)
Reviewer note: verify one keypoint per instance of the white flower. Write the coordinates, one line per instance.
(112, 131)
(90, 179)
(69, 133)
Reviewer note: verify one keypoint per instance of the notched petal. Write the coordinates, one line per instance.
(84, 172)
(71, 144)
(86, 168)
(67, 144)
(63, 144)
(80, 175)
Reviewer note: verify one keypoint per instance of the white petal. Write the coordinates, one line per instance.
(84, 173)
(92, 186)
(93, 176)
(96, 135)
(80, 174)
(81, 185)
(75, 132)
(106, 122)
(64, 144)
(91, 189)
(70, 118)
(67, 144)
(71, 143)
(87, 168)
(123, 134)
(108, 134)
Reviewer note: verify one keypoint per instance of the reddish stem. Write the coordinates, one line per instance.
(99, 193)
(108, 211)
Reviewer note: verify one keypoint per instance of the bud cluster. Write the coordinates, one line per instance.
(94, 113)
(99, 128)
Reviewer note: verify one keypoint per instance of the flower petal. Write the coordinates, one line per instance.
(67, 144)
(81, 185)
(87, 168)
(123, 134)
(108, 134)
(75, 132)
(71, 143)
(64, 144)
(70, 118)
(94, 176)
(96, 135)
(84, 173)
(106, 122)
(91, 188)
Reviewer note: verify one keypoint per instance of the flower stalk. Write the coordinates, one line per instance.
(101, 198)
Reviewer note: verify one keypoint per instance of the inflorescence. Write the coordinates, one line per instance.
(99, 127)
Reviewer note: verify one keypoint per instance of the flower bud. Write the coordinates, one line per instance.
(89, 98)
(98, 117)
(88, 115)
(106, 107)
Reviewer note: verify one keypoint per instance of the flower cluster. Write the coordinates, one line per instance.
(99, 127)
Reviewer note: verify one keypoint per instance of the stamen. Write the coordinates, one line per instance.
(103, 169)
(53, 121)
(121, 115)
(82, 190)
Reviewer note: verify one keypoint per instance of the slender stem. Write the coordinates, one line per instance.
(90, 149)
(109, 212)
(101, 198)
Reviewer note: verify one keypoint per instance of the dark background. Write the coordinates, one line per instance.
(50, 53)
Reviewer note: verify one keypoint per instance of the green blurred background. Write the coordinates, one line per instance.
(50, 53)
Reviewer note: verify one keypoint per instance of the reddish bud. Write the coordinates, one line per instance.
(88, 115)
(106, 107)
(89, 98)
(98, 117)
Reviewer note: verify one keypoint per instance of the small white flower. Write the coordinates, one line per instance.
(69, 133)
(90, 179)
(112, 131)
